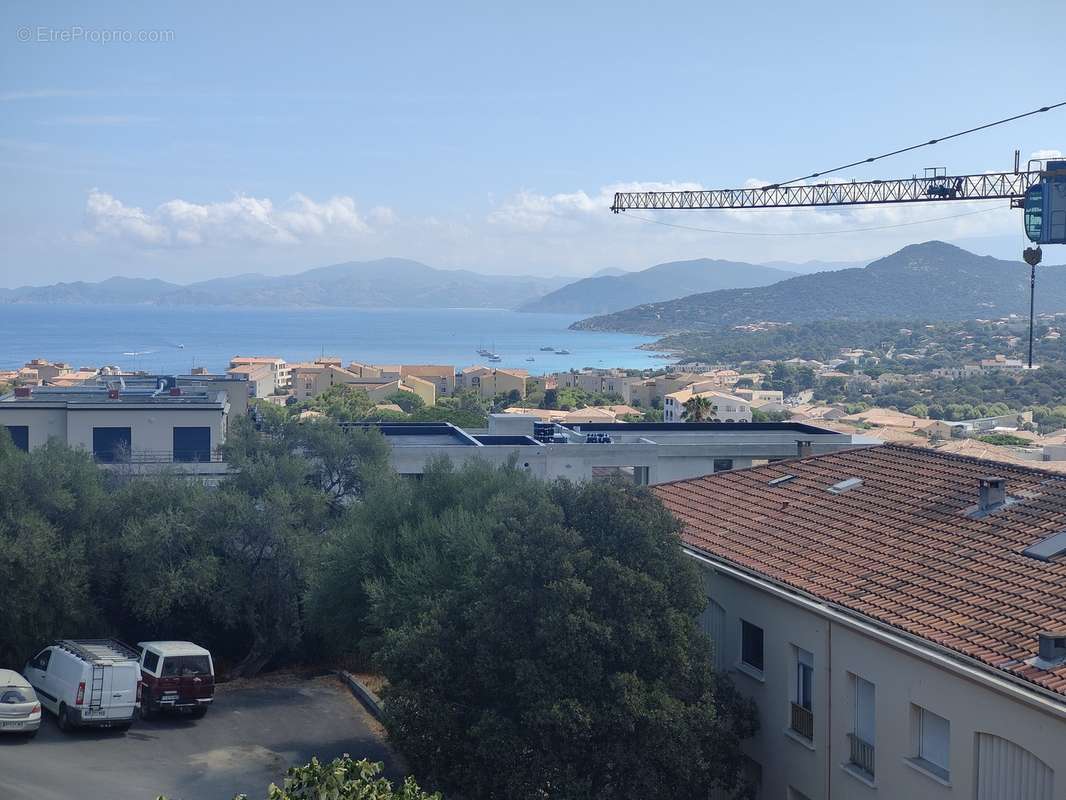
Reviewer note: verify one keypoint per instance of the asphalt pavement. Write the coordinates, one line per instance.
(252, 734)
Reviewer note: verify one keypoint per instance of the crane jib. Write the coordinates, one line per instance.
(987, 186)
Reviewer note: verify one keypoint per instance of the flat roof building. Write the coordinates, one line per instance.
(647, 453)
(160, 424)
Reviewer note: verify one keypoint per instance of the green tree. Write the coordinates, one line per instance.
(919, 410)
(541, 641)
(51, 503)
(341, 779)
(697, 409)
(408, 401)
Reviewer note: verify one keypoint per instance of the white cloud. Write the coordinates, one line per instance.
(1044, 154)
(179, 223)
(529, 211)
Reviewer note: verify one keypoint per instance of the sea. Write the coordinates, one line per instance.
(173, 339)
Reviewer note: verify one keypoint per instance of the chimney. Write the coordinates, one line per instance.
(992, 493)
(1052, 645)
(804, 448)
(23, 391)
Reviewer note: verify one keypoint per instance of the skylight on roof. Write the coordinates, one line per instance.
(1047, 549)
(843, 486)
(780, 480)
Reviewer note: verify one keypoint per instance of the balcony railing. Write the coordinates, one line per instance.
(862, 754)
(803, 721)
(159, 457)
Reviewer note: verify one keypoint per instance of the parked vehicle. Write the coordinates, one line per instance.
(87, 682)
(19, 710)
(177, 677)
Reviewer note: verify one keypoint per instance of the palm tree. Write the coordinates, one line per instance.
(697, 409)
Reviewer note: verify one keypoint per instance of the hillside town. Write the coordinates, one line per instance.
(838, 395)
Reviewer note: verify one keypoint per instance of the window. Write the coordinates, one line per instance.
(802, 716)
(712, 623)
(1005, 769)
(864, 725)
(804, 679)
(185, 666)
(192, 444)
(723, 464)
(20, 435)
(751, 645)
(41, 662)
(931, 745)
(151, 660)
(112, 444)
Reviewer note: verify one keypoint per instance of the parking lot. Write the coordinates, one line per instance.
(255, 730)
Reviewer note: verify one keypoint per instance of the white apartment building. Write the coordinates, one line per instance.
(724, 407)
(898, 615)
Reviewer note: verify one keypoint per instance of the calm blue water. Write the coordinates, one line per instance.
(97, 335)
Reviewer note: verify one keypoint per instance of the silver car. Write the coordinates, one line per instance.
(20, 711)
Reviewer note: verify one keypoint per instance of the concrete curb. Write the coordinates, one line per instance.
(371, 701)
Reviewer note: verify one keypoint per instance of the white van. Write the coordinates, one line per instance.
(90, 682)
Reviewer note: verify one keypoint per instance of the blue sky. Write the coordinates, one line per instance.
(277, 136)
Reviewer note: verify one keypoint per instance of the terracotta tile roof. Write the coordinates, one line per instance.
(900, 548)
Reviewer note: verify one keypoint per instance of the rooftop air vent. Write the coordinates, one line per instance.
(22, 391)
(992, 493)
(1049, 548)
(781, 480)
(1052, 646)
(843, 486)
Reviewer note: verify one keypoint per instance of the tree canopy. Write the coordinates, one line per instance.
(539, 640)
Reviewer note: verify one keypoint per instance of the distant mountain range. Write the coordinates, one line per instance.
(933, 280)
(602, 294)
(387, 282)
(398, 282)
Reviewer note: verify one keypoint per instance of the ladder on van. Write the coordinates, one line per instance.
(96, 689)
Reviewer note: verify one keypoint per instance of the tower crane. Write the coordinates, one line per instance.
(1040, 190)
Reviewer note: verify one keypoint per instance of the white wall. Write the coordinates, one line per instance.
(900, 679)
(151, 428)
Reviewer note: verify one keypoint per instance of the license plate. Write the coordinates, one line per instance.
(11, 724)
(98, 712)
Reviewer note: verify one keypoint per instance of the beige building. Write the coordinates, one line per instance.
(282, 374)
(47, 370)
(760, 397)
(262, 380)
(724, 407)
(489, 382)
(897, 614)
(595, 381)
(651, 392)
(442, 376)
(311, 380)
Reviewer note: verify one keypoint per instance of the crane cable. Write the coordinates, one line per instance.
(809, 233)
(916, 146)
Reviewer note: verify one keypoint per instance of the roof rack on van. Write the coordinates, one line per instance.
(96, 651)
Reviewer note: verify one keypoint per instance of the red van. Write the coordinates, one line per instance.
(177, 677)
